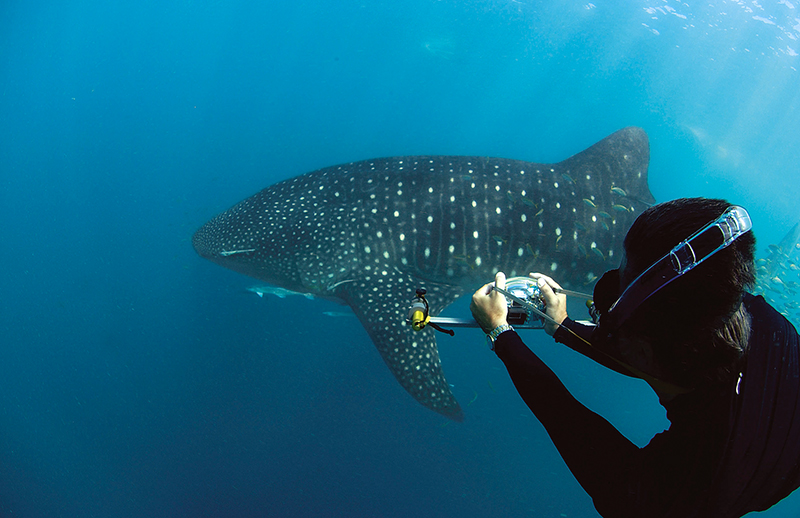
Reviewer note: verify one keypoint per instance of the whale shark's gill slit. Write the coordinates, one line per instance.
(226, 253)
(362, 231)
(337, 284)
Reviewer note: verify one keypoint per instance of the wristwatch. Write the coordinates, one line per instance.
(497, 331)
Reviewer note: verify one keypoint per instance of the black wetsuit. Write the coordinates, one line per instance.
(731, 448)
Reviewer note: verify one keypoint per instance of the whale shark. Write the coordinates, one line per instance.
(369, 233)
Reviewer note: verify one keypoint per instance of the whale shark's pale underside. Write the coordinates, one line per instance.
(369, 233)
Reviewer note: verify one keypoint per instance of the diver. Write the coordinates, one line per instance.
(724, 364)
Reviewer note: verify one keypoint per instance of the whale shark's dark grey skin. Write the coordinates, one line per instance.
(369, 233)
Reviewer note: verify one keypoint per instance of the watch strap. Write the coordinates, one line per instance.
(497, 331)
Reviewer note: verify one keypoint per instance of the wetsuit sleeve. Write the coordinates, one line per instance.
(598, 455)
(578, 336)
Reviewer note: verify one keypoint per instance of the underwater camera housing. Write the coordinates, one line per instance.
(525, 308)
(526, 290)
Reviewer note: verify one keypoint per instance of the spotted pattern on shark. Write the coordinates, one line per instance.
(369, 233)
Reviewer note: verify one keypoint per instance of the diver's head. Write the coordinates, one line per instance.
(695, 325)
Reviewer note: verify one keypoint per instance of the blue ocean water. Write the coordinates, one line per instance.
(137, 379)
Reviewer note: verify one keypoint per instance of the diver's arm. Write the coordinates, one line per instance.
(598, 455)
(577, 337)
(574, 335)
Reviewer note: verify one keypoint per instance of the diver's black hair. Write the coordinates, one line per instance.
(697, 324)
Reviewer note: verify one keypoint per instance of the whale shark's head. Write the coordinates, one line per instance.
(255, 238)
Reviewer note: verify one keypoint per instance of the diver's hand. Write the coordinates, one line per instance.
(488, 306)
(556, 303)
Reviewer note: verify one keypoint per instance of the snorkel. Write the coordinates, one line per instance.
(681, 259)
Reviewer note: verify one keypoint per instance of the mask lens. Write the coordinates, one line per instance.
(606, 291)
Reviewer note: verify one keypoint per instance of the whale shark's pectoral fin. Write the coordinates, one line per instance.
(381, 303)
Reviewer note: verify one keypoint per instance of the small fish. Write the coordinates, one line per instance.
(281, 293)
(582, 249)
(499, 239)
(464, 260)
(598, 253)
(530, 249)
(558, 239)
(761, 262)
(510, 196)
(527, 201)
(590, 279)
(337, 314)
(589, 203)
(775, 249)
(620, 208)
(538, 213)
(604, 215)
(604, 225)
(567, 178)
(579, 225)
(617, 190)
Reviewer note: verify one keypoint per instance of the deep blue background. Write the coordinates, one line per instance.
(138, 380)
